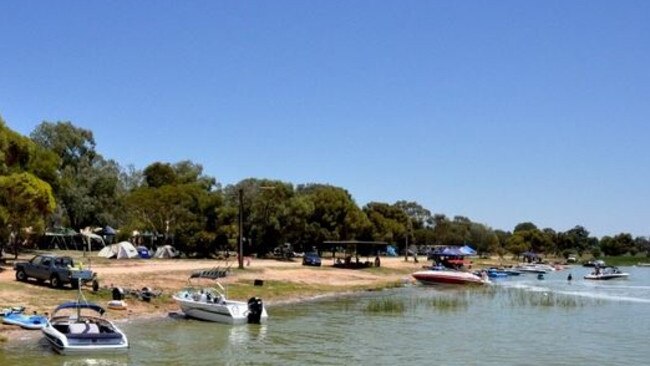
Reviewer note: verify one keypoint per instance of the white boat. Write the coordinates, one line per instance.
(210, 304)
(444, 276)
(84, 330)
(535, 268)
(607, 273)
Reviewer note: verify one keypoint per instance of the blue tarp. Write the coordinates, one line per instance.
(390, 251)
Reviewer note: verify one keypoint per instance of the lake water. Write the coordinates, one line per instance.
(517, 321)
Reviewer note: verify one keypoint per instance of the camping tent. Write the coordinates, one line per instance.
(90, 238)
(121, 250)
(144, 252)
(166, 251)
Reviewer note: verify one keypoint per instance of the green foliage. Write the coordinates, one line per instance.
(25, 201)
(390, 223)
(89, 187)
(159, 174)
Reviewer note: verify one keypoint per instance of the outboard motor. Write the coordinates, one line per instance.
(255, 308)
(118, 293)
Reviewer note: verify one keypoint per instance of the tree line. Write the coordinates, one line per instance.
(55, 177)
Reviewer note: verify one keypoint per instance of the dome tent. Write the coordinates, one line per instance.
(166, 251)
(121, 250)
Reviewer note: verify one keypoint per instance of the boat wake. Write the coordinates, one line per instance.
(590, 292)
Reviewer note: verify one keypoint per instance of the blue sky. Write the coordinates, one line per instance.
(501, 111)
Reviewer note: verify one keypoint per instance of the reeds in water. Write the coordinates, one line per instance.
(544, 299)
(386, 305)
(448, 303)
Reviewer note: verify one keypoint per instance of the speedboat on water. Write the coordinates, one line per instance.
(211, 303)
(535, 268)
(82, 329)
(607, 273)
(444, 276)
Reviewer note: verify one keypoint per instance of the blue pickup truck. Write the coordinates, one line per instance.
(59, 270)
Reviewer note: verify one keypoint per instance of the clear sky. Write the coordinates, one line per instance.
(501, 111)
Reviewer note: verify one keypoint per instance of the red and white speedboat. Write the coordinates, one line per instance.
(434, 277)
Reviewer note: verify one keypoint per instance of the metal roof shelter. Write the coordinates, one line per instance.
(352, 249)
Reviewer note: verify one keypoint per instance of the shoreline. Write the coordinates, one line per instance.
(15, 336)
(284, 283)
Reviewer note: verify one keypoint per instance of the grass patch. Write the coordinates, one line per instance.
(385, 305)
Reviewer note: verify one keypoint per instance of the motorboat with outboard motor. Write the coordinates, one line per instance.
(212, 304)
(607, 273)
(446, 276)
(77, 327)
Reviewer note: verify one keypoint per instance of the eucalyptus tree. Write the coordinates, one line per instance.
(89, 185)
(527, 234)
(618, 245)
(390, 223)
(184, 212)
(482, 238)
(25, 202)
(420, 217)
(27, 173)
(265, 204)
(335, 216)
(448, 232)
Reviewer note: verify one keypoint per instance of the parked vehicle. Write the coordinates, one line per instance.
(311, 259)
(284, 251)
(49, 267)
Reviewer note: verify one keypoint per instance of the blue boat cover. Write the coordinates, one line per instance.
(80, 305)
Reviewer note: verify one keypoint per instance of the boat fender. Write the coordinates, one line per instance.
(255, 308)
(117, 305)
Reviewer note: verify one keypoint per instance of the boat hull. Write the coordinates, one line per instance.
(604, 277)
(448, 278)
(88, 344)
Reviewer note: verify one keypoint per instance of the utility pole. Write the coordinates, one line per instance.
(241, 229)
(406, 249)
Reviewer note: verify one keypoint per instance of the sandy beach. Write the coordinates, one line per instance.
(284, 281)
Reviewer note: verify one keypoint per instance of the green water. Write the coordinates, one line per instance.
(520, 321)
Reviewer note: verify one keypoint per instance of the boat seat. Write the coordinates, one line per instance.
(84, 328)
(95, 336)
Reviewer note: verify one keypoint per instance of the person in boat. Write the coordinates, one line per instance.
(570, 277)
